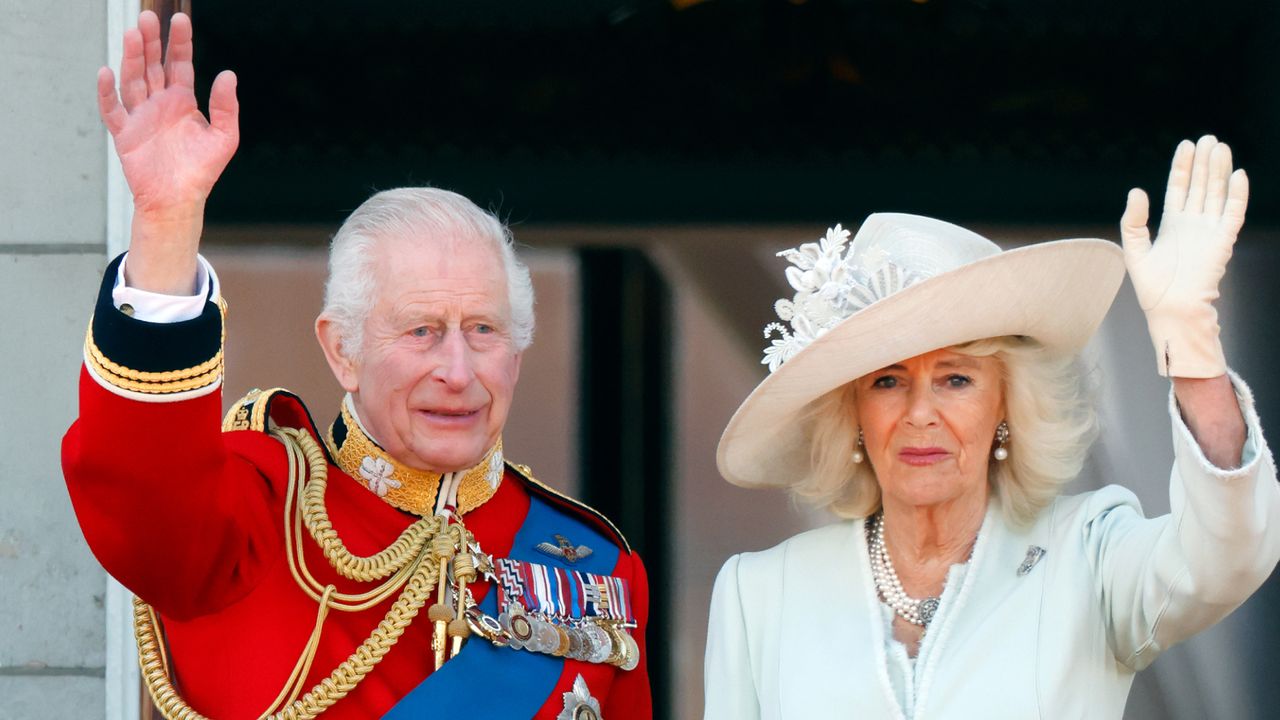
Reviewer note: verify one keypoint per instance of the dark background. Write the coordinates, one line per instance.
(758, 110)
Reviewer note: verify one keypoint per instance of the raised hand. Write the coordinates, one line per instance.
(171, 154)
(1176, 278)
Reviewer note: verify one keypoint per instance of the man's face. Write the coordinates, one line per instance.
(434, 379)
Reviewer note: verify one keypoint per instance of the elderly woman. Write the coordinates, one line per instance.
(927, 390)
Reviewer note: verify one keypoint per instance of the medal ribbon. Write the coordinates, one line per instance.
(510, 582)
(564, 594)
(622, 600)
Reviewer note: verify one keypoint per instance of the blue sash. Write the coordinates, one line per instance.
(493, 682)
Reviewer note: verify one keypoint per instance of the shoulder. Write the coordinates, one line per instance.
(795, 554)
(748, 593)
(1087, 505)
(261, 410)
(1078, 515)
(567, 505)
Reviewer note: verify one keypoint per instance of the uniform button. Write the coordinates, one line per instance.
(127, 309)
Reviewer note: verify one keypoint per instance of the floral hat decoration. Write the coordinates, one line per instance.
(904, 285)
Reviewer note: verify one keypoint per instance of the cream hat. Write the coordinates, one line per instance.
(906, 285)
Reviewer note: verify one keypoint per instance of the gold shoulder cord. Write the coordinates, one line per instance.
(417, 562)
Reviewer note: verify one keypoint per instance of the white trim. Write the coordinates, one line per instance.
(123, 679)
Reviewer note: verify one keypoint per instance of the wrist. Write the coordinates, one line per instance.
(163, 249)
(171, 215)
(1210, 409)
(1187, 343)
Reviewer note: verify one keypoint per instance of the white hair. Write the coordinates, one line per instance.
(1049, 405)
(409, 213)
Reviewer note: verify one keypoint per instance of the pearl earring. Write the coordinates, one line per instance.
(857, 457)
(1002, 437)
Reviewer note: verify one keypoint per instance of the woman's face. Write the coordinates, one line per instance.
(928, 424)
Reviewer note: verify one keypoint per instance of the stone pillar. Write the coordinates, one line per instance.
(54, 218)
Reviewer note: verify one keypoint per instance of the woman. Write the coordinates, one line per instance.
(926, 390)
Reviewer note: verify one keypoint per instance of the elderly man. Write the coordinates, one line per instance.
(392, 565)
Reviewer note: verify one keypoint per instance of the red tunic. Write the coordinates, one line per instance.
(191, 519)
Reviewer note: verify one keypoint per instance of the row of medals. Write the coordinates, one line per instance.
(593, 640)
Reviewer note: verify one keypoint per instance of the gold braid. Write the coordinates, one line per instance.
(412, 561)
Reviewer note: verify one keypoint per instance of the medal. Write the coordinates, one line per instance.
(487, 627)
(562, 649)
(545, 637)
(631, 657)
(575, 643)
(518, 627)
(599, 643)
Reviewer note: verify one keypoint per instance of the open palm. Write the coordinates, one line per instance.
(171, 155)
(1176, 278)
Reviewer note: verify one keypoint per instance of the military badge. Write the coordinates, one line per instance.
(564, 550)
(578, 704)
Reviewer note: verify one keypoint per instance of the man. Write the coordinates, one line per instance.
(393, 565)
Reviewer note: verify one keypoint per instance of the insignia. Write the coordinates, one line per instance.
(578, 704)
(1034, 553)
(564, 550)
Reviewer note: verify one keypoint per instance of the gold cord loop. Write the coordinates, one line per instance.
(416, 562)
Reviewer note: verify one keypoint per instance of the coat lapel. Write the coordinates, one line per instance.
(831, 632)
(992, 622)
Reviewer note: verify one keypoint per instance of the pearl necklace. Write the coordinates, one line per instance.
(917, 612)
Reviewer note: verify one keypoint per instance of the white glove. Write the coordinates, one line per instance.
(1177, 278)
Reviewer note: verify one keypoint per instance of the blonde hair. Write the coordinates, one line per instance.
(1049, 405)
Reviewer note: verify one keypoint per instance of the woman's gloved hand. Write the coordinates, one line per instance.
(1176, 278)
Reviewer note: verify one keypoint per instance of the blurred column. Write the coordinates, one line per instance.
(53, 220)
(625, 423)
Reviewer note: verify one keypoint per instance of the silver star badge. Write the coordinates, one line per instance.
(578, 704)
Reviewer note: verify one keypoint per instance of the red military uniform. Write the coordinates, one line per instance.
(191, 518)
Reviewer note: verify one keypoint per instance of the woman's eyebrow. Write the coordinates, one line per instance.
(960, 363)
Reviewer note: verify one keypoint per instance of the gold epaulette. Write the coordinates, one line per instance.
(250, 411)
(524, 472)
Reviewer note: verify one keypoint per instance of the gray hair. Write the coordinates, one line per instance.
(1049, 405)
(408, 213)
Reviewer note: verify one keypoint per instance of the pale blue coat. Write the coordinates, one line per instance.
(797, 631)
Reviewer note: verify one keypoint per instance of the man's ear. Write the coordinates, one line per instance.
(343, 367)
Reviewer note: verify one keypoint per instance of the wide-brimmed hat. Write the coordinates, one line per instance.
(906, 285)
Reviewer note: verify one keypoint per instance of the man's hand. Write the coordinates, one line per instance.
(170, 154)
(1176, 279)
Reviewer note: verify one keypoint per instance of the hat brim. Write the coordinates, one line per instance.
(1055, 292)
